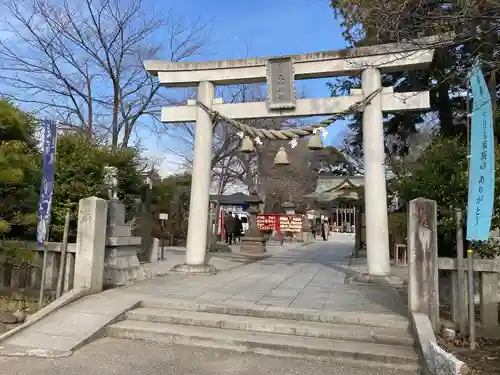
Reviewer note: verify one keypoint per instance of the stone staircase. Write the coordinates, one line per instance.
(366, 339)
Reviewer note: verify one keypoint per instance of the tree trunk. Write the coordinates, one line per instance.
(116, 107)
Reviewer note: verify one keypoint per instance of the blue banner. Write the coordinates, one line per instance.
(47, 186)
(482, 160)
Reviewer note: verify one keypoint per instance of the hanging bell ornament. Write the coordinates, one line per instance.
(315, 142)
(281, 158)
(247, 145)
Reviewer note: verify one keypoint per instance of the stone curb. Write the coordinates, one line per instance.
(436, 360)
(92, 332)
(62, 301)
(100, 331)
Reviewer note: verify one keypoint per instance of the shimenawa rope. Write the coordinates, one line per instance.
(289, 133)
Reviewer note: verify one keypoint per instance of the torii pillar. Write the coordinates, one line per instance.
(377, 232)
(200, 188)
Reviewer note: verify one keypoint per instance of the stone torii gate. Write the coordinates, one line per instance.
(280, 73)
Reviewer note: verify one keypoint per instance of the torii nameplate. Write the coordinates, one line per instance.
(280, 83)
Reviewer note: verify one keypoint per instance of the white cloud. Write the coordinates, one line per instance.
(167, 163)
(172, 164)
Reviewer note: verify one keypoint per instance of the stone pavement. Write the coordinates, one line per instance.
(304, 277)
(131, 357)
(222, 261)
(358, 266)
(310, 276)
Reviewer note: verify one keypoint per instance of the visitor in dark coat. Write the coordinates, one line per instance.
(238, 229)
(229, 223)
(314, 228)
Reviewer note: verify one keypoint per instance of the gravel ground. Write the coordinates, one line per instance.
(126, 357)
(485, 360)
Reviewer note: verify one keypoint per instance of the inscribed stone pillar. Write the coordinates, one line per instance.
(90, 244)
(423, 292)
(377, 233)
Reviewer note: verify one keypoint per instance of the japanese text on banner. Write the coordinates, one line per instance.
(45, 205)
(482, 160)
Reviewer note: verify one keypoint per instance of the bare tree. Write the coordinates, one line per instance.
(229, 166)
(81, 62)
(255, 172)
(474, 28)
(225, 144)
(280, 184)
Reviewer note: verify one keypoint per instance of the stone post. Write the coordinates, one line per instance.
(90, 244)
(146, 220)
(377, 233)
(358, 228)
(423, 288)
(200, 188)
(155, 254)
(253, 244)
(211, 239)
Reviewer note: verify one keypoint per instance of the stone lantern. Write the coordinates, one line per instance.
(289, 208)
(253, 244)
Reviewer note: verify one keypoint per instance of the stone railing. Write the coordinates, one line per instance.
(29, 276)
(486, 272)
(105, 253)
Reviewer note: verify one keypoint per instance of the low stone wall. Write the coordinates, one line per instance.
(27, 277)
(486, 293)
(436, 360)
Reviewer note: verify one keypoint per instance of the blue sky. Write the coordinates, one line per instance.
(260, 28)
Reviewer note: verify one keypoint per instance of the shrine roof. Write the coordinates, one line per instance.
(330, 183)
(232, 199)
(339, 188)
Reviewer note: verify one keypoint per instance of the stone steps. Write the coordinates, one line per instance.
(277, 312)
(388, 336)
(403, 358)
(345, 337)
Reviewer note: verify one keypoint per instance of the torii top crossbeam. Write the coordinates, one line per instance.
(352, 61)
(386, 57)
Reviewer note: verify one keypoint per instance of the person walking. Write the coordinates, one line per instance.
(229, 227)
(325, 230)
(238, 228)
(313, 228)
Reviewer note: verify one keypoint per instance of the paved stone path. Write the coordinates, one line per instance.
(220, 260)
(131, 357)
(310, 276)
